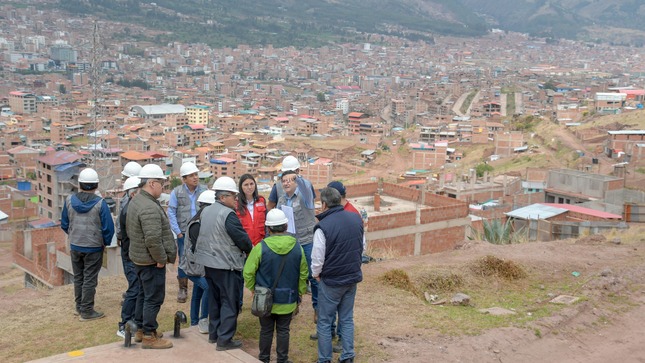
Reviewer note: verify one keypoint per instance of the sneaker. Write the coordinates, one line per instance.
(121, 332)
(233, 344)
(152, 341)
(203, 326)
(92, 315)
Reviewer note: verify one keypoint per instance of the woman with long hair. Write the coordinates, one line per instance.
(251, 209)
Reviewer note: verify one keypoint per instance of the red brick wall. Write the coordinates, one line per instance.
(522, 200)
(615, 184)
(361, 190)
(402, 192)
(398, 246)
(37, 265)
(429, 215)
(441, 240)
(394, 220)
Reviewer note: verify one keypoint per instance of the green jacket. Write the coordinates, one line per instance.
(151, 240)
(280, 244)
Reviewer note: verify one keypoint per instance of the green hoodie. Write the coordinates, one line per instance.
(280, 244)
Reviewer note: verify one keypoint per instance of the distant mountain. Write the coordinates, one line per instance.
(561, 18)
(318, 22)
(287, 22)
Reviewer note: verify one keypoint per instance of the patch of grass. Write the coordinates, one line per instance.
(440, 281)
(493, 266)
(399, 279)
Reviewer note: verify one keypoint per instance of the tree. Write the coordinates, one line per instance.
(482, 168)
(61, 89)
(175, 182)
(321, 97)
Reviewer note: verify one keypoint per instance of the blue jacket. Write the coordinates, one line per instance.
(343, 247)
(83, 203)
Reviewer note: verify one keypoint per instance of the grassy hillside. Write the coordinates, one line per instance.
(286, 22)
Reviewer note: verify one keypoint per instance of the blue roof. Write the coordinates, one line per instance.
(64, 167)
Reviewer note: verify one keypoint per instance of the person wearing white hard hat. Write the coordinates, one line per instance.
(298, 201)
(289, 163)
(130, 186)
(289, 284)
(182, 206)
(152, 246)
(195, 271)
(88, 223)
(221, 248)
(131, 169)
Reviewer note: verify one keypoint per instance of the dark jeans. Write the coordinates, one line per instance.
(86, 267)
(151, 296)
(224, 303)
(130, 301)
(180, 251)
(281, 325)
(199, 300)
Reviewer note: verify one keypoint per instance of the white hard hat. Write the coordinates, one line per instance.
(188, 168)
(207, 196)
(225, 183)
(132, 168)
(131, 182)
(151, 171)
(290, 163)
(276, 217)
(88, 175)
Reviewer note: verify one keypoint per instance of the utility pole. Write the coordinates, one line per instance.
(95, 75)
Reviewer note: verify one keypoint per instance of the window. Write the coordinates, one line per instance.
(49, 203)
(49, 190)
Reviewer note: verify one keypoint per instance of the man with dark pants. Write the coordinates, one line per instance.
(87, 221)
(221, 248)
(152, 246)
(336, 264)
(182, 206)
(262, 268)
(131, 186)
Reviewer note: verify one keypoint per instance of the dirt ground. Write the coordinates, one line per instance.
(606, 324)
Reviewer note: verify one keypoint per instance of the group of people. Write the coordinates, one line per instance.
(244, 241)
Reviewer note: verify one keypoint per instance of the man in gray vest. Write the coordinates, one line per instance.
(299, 199)
(288, 163)
(221, 248)
(182, 206)
(88, 223)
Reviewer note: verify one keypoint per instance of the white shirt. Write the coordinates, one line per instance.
(249, 206)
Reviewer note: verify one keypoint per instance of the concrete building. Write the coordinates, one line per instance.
(156, 112)
(407, 221)
(197, 114)
(624, 142)
(572, 186)
(22, 102)
(427, 156)
(57, 178)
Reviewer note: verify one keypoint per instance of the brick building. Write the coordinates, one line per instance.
(57, 178)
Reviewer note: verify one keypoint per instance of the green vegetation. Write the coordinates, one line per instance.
(469, 99)
(482, 168)
(500, 233)
(301, 24)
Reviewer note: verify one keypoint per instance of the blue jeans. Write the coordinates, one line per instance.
(130, 300)
(200, 294)
(333, 299)
(180, 251)
(314, 284)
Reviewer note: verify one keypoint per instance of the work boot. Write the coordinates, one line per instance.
(138, 336)
(92, 315)
(152, 341)
(182, 294)
(233, 344)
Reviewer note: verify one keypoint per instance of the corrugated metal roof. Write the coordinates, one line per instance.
(536, 211)
(583, 210)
